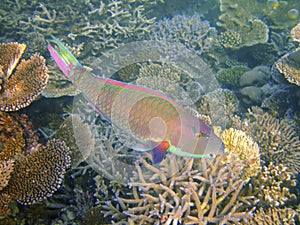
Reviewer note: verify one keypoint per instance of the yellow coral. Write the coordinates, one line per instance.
(242, 145)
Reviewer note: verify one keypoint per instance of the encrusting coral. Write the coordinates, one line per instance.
(289, 64)
(20, 88)
(181, 191)
(244, 148)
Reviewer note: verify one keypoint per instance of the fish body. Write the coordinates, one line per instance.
(157, 122)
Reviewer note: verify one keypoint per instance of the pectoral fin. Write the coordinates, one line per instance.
(159, 151)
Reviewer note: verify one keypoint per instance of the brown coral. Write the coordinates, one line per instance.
(6, 168)
(181, 191)
(295, 33)
(242, 145)
(37, 175)
(274, 216)
(289, 66)
(278, 140)
(272, 185)
(21, 88)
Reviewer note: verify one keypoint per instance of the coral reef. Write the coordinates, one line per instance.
(197, 35)
(30, 171)
(230, 39)
(181, 191)
(242, 27)
(275, 216)
(19, 89)
(58, 85)
(273, 186)
(295, 33)
(230, 77)
(278, 139)
(289, 66)
(39, 174)
(220, 105)
(244, 148)
(170, 81)
(77, 137)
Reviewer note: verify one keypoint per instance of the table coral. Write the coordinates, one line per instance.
(29, 171)
(242, 145)
(181, 191)
(240, 20)
(37, 175)
(22, 87)
(295, 33)
(289, 66)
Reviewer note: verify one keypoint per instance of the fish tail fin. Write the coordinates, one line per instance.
(63, 57)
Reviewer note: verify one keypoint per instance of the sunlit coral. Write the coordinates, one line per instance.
(230, 39)
(273, 185)
(181, 191)
(272, 216)
(28, 81)
(242, 145)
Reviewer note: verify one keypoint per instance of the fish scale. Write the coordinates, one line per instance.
(154, 120)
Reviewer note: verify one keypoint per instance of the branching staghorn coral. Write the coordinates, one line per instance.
(20, 88)
(181, 191)
(289, 66)
(191, 31)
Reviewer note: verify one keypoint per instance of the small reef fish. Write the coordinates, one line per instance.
(156, 121)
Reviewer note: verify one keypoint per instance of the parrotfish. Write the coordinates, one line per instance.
(154, 120)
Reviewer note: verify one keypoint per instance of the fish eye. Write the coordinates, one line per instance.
(198, 134)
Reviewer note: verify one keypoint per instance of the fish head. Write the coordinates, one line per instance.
(196, 139)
